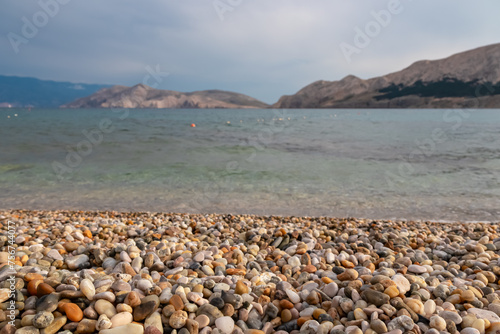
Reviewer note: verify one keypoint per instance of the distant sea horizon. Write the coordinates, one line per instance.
(415, 164)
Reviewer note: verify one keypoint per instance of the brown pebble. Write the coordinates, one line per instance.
(176, 302)
(132, 299)
(44, 289)
(286, 315)
(73, 312)
(241, 288)
(33, 286)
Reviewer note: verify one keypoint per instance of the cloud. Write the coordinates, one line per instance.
(261, 48)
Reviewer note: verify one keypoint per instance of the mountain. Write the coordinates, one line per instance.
(31, 92)
(142, 96)
(467, 79)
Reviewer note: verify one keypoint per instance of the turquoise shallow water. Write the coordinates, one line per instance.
(415, 164)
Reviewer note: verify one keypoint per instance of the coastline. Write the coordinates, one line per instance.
(113, 272)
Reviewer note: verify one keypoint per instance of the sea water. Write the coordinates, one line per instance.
(373, 163)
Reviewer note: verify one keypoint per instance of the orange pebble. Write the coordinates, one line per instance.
(73, 312)
(33, 285)
(44, 289)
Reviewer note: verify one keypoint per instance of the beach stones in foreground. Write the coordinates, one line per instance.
(154, 273)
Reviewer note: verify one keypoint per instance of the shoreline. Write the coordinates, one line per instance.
(257, 215)
(140, 272)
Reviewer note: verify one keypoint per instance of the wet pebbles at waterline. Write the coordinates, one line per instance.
(153, 273)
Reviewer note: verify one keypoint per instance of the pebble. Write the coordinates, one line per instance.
(43, 319)
(225, 324)
(73, 312)
(121, 319)
(102, 306)
(125, 329)
(437, 322)
(148, 305)
(55, 326)
(87, 288)
(202, 320)
(178, 319)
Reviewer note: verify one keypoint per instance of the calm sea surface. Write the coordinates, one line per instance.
(415, 164)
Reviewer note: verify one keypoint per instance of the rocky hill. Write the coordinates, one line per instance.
(142, 96)
(470, 78)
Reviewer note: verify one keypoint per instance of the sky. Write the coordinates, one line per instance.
(262, 48)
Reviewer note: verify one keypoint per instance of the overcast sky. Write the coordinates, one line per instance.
(263, 48)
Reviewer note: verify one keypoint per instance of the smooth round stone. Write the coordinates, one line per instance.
(492, 317)
(375, 297)
(55, 255)
(414, 268)
(221, 287)
(73, 312)
(27, 320)
(43, 319)
(241, 288)
(331, 289)
(132, 299)
(293, 296)
(353, 330)
(207, 270)
(286, 315)
(107, 295)
(55, 326)
(126, 329)
(120, 285)
(199, 257)
(125, 257)
(348, 275)
(28, 330)
(294, 261)
(144, 284)
(202, 320)
(44, 289)
(402, 283)
(124, 308)
(469, 330)
(452, 316)
(154, 330)
(77, 262)
(437, 322)
(359, 314)
(47, 303)
(154, 320)
(429, 307)
(225, 324)
(392, 291)
(402, 322)
(102, 306)
(176, 302)
(479, 324)
(378, 326)
(88, 289)
(90, 313)
(121, 319)
(148, 305)
(178, 319)
(103, 322)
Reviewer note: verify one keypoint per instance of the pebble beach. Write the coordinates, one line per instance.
(153, 273)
